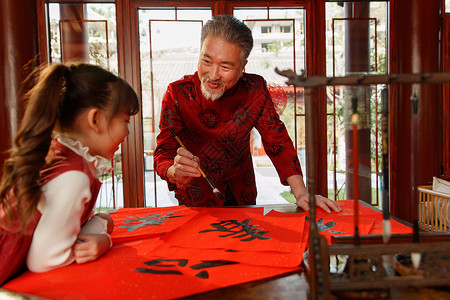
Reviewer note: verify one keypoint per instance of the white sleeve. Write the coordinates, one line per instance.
(62, 206)
(95, 225)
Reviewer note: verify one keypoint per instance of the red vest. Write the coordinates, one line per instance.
(14, 246)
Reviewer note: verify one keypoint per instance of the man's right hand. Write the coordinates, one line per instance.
(184, 168)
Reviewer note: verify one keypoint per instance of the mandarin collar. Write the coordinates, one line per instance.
(76, 146)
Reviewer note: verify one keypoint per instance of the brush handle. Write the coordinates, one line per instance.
(215, 190)
(210, 183)
(182, 145)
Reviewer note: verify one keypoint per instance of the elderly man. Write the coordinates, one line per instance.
(212, 113)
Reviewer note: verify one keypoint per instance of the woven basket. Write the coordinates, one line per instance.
(434, 209)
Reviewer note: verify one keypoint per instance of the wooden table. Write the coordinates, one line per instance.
(288, 286)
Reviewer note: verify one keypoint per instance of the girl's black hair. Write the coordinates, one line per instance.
(61, 93)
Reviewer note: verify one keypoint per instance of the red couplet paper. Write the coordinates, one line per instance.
(377, 228)
(130, 271)
(274, 213)
(343, 222)
(347, 209)
(133, 223)
(291, 256)
(239, 231)
(371, 215)
(342, 225)
(258, 258)
(339, 223)
(141, 266)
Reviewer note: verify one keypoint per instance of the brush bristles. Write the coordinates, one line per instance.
(218, 194)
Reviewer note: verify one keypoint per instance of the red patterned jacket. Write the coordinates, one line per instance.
(218, 132)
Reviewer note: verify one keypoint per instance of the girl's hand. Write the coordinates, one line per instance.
(89, 247)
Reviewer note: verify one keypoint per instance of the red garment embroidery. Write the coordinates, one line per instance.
(218, 132)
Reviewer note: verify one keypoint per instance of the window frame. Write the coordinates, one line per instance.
(128, 68)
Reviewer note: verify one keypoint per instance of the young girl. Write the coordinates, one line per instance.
(76, 114)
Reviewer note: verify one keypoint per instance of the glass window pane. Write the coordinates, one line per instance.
(279, 42)
(194, 14)
(301, 145)
(102, 35)
(54, 36)
(100, 26)
(157, 14)
(250, 13)
(169, 49)
(337, 24)
(285, 13)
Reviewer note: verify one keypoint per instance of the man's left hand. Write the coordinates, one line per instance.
(326, 204)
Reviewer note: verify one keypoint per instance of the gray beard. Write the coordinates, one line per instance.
(208, 95)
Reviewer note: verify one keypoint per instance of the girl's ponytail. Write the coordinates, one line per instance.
(59, 96)
(22, 170)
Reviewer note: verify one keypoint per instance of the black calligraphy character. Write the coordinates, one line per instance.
(210, 264)
(133, 223)
(324, 227)
(239, 230)
(159, 263)
(168, 263)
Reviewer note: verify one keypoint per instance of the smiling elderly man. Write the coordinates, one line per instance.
(213, 112)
